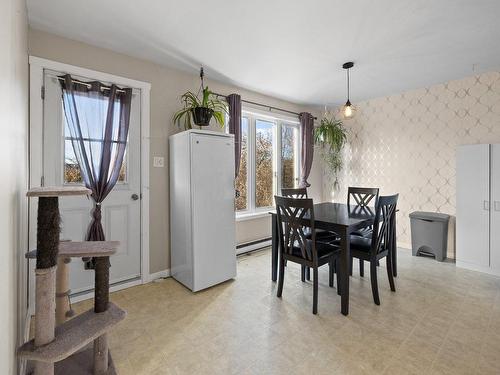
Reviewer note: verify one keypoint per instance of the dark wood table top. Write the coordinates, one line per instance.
(341, 215)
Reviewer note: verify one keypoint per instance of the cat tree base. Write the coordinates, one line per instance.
(81, 363)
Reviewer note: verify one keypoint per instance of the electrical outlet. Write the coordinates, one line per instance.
(158, 161)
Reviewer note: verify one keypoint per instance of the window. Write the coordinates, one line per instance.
(264, 156)
(93, 140)
(269, 160)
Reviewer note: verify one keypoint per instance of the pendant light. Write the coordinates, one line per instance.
(348, 108)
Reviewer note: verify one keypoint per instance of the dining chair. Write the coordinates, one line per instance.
(294, 216)
(301, 193)
(379, 245)
(361, 197)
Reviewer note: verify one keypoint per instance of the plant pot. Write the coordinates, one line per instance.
(202, 115)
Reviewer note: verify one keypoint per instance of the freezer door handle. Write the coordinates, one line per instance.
(486, 205)
(496, 205)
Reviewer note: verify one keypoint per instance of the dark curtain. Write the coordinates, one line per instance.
(234, 101)
(307, 149)
(97, 117)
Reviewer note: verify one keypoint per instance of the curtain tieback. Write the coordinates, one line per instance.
(97, 212)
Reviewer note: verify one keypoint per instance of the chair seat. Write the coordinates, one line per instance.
(323, 249)
(320, 233)
(364, 232)
(361, 243)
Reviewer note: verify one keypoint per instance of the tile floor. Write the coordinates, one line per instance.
(441, 320)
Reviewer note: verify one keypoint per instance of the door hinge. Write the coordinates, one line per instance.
(42, 92)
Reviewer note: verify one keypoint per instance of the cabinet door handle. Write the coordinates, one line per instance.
(486, 205)
(496, 205)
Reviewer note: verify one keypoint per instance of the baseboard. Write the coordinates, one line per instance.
(114, 288)
(159, 275)
(252, 246)
(475, 267)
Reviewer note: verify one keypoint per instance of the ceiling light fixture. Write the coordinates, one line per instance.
(348, 108)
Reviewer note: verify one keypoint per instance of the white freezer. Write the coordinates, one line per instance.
(202, 219)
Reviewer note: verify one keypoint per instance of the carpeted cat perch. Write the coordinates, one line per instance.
(66, 349)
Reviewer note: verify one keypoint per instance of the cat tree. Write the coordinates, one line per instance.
(65, 349)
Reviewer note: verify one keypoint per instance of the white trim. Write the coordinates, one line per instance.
(25, 338)
(266, 115)
(112, 288)
(159, 275)
(252, 215)
(89, 73)
(255, 246)
(145, 164)
(124, 285)
(278, 121)
(37, 66)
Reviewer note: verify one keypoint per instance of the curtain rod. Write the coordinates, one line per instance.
(88, 84)
(264, 105)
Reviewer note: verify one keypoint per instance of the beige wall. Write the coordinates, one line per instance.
(13, 169)
(166, 86)
(406, 143)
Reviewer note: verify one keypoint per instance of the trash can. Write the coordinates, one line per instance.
(429, 234)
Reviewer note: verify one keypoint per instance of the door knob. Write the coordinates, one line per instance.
(134, 197)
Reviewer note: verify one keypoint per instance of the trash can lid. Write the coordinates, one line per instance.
(434, 216)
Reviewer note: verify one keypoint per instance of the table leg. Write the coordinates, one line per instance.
(394, 249)
(345, 260)
(274, 248)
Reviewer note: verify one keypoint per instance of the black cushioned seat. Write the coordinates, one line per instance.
(365, 232)
(361, 243)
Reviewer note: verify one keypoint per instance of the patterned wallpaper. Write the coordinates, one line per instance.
(406, 143)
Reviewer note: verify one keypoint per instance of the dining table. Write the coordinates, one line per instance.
(343, 220)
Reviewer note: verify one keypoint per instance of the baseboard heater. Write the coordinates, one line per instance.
(252, 246)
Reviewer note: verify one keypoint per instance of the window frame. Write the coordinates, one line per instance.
(278, 121)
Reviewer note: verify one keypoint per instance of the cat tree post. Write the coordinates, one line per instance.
(63, 310)
(101, 301)
(46, 260)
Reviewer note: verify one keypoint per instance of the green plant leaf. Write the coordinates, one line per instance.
(191, 101)
(331, 135)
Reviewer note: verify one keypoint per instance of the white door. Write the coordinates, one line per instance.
(473, 204)
(121, 210)
(495, 212)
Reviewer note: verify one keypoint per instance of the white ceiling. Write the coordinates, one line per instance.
(293, 49)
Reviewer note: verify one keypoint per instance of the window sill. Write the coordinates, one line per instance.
(253, 215)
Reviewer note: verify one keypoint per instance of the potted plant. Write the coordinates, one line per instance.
(331, 135)
(201, 111)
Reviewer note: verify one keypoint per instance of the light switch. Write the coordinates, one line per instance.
(158, 161)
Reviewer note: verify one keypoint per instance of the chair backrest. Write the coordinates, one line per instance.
(294, 193)
(361, 196)
(382, 228)
(294, 215)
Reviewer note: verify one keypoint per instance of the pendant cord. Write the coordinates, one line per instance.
(202, 86)
(348, 84)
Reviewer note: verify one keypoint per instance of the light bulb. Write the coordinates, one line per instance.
(347, 111)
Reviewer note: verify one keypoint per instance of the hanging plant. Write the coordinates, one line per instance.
(331, 135)
(200, 111)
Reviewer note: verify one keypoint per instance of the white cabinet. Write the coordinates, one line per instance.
(202, 219)
(478, 208)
